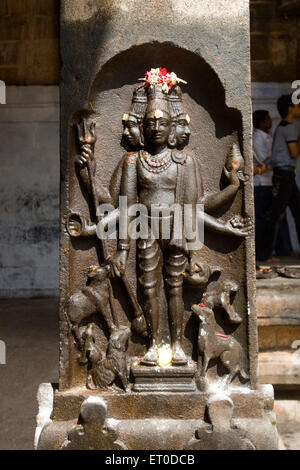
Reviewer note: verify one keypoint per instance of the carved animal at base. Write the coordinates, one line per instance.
(220, 297)
(91, 299)
(212, 345)
(104, 370)
(200, 273)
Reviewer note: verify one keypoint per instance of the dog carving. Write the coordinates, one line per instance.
(220, 297)
(90, 300)
(105, 370)
(212, 345)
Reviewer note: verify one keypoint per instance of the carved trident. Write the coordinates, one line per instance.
(87, 138)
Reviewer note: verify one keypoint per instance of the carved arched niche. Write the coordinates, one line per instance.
(214, 128)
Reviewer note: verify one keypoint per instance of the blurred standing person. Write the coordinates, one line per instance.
(262, 153)
(286, 150)
(263, 173)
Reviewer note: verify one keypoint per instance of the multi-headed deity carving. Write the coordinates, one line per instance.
(163, 178)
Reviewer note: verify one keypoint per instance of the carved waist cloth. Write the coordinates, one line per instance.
(167, 227)
(154, 261)
(160, 226)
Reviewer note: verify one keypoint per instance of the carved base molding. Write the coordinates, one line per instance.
(167, 379)
(83, 419)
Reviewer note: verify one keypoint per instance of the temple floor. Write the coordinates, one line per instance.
(29, 328)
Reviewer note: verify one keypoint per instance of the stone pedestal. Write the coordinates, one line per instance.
(184, 308)
(164, 379)
(158, 421)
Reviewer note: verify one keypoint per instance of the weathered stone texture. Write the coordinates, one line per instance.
(281, 337)
(274, 42)
(29, 209)
(278, 301)
(289, 6)
(29, 50)
(279, 331)
(280, 368)
(30, 37)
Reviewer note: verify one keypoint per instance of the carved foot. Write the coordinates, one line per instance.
(234, 318)
(151, 357)
(140, 326)
(202, 383)
(83, 360)
(90, 383)
(179, 357)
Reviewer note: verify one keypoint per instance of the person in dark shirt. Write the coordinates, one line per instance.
(286, 150)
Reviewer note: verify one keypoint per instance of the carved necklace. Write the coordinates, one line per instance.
(156, 164)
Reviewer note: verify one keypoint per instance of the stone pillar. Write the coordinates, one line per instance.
(158, 336)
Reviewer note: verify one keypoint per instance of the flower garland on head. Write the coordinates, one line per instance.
(162, 77)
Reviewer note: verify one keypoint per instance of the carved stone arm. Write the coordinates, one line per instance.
(217, 200)
(227, 228)
(78, 226)
(84, 175)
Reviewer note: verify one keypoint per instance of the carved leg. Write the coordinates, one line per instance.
(176, 310)
(230, 377)
(79, 308)
(200, 363)
(231, 366)
(201, 380)
(98, 292)
(124, 381)
(205, 365)
(104, 307)
(174, 267)
(152, 316)
(149, 257)
(77, 336)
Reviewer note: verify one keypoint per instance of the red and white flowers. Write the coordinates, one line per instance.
(162, 77)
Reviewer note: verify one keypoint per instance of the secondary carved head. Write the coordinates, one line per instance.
(179, 117)
(133, 120)
(182, 131)
(132, 131)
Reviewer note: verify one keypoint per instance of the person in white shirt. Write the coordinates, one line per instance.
(263, 173)
(262, 148)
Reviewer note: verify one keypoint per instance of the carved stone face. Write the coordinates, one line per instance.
(132, 132)
(183, 132)
(157, 130)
